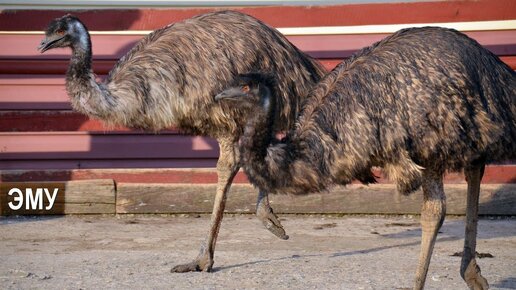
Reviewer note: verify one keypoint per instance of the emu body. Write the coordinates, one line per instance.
(418, 103)
(169, 79)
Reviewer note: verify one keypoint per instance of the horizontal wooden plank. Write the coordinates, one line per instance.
(341, 46)
(59, 120)
(81, 145)
(166, 175)
(102, 197)
(19, 71)
(467, 26)
(112, 47)
(48, 66)
(77, 163)
(494, 174)
(104, 47)
(14, 69)
(33, 92)
(34, 98)
(495, 199)
(71, 197)
(330, 15)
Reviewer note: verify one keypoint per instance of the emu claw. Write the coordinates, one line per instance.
(271, 221)
(197, 265)
(474, 278)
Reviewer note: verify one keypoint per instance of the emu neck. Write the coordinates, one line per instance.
(80, 63)
(258, 133)
(87, 96)
(254, 144)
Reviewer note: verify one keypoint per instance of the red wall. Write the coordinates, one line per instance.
(39, 131)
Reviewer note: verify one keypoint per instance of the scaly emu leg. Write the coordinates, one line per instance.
(469, 270)
(432, 217)
(227, 168)
(269, 219)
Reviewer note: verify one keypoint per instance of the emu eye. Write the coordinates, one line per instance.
(60, 32)
(246, 89)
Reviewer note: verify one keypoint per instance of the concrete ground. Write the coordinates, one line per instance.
(323, 252)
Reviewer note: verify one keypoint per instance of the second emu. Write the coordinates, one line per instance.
(419, 103)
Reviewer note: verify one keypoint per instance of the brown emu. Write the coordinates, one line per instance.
(418, 103)
(170, 77)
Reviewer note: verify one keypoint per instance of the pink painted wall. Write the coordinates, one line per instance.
(38, 130)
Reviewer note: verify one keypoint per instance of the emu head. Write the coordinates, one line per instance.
(66, 31)
(250, 90)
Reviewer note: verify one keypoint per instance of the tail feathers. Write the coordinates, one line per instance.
(407, 175)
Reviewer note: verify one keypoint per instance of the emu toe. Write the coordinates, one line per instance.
(197, 265)
(474, 278)
(271, 221)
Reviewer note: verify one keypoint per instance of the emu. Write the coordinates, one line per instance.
(419, 103)
(169, 79)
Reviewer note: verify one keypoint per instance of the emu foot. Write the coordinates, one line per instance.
(473, 277)
(270, 221)
(203, 264)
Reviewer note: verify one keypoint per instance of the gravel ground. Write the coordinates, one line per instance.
(323, 252)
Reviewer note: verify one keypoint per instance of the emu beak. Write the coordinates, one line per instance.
(220, 96)
(230, 94)
(48, 43)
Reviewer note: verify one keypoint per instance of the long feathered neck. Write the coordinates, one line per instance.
(276, 166)
(296, 166)
(80, 63)
(257, 160)
(86, 94)
(258, 132)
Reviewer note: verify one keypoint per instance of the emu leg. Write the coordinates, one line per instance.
(469, 270)
(269, 219)
(432, 217)
(227, 168)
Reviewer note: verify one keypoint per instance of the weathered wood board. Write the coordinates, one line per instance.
(102, 197)
(69, 197)
(495, 199)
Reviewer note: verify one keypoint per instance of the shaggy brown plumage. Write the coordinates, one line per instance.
(418, 103)
(421, 99)
(170, 77)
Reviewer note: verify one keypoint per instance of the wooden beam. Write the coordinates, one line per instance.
(495, 199)
(72, 197)
(92, 164)
(122, 145)
(113, 47)
(99, 197)
(494, 174)
(298, 16)
(51, 121)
